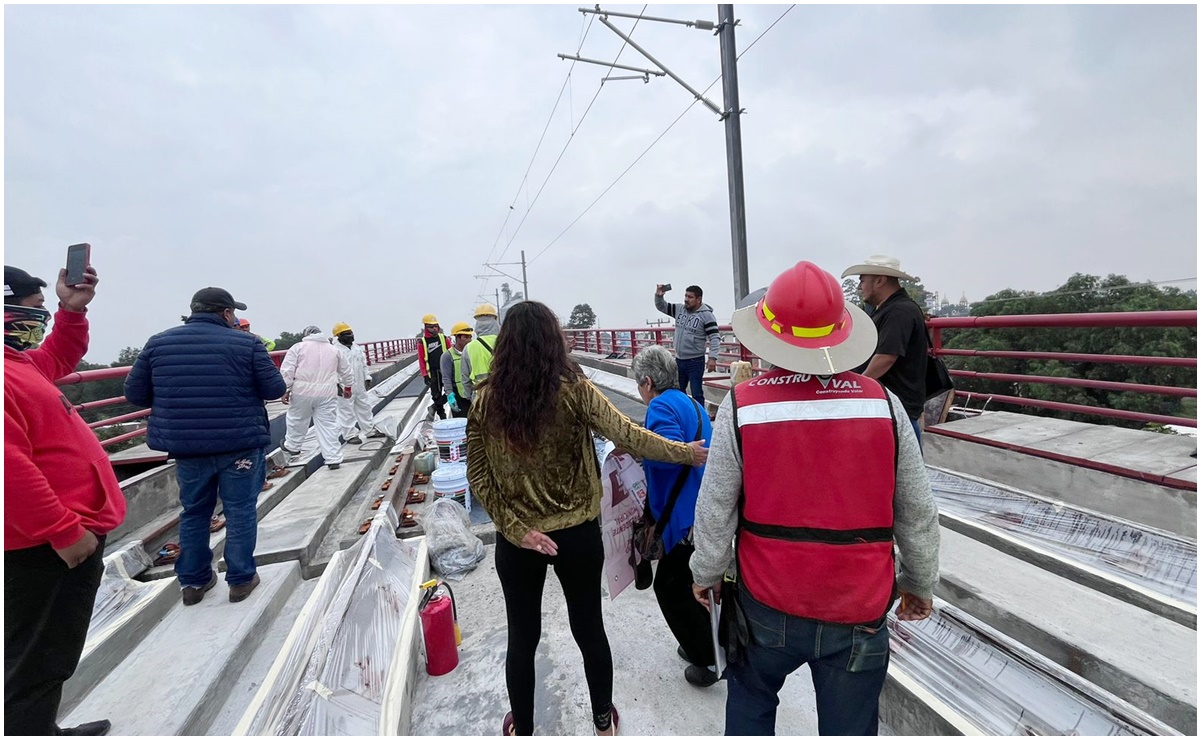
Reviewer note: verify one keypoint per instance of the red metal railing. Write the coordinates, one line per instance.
(610, 341)
(376, 352)
(623, 341)
(1132, 319)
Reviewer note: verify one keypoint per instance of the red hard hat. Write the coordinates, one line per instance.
(244, 322)
(804, 306)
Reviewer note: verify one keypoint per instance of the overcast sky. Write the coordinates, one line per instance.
(356, 164)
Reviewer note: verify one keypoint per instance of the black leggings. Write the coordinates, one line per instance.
(522, 574)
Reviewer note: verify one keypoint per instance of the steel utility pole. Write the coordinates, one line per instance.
(733, 116)
(525, 286)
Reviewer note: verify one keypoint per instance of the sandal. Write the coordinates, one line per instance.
(407, 518)
(168, 555)
(267, 485)
(507, 727)
(365, 527)
(277, 472)
(415, 497)
(613, 725)
(217, 523)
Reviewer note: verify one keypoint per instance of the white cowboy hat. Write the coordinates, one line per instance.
(878, 264)
(804, 324)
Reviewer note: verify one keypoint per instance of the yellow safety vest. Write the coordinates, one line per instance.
(457, 358)
(481, 357)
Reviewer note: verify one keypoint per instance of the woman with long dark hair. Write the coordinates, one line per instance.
(532, 465)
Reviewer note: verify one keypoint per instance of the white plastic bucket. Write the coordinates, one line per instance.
(451, 437)
(450, 481)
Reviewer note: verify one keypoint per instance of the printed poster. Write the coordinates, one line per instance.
(624, 495)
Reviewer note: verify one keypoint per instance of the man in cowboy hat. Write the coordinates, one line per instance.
(815, 575)
(899, 361)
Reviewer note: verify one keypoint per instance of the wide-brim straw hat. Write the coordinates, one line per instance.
(878, 264)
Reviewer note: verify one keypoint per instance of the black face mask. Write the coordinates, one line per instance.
(346, 338)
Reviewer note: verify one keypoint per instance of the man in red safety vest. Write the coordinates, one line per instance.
(817, 472)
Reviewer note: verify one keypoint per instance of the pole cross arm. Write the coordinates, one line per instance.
(640, 70)
(695, 93)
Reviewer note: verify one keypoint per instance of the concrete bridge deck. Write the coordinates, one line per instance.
(1106, 649)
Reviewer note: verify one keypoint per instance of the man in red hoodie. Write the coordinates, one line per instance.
(60, 500)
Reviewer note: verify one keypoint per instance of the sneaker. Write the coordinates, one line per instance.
(335, 466)
(193, 595)
(355, 440)
(700, 677)
(239, 593)
(376, 434)
(99, 727)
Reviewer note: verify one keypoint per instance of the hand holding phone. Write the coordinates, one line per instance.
(79, 258)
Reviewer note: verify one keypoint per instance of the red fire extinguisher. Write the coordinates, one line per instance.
(439, 626)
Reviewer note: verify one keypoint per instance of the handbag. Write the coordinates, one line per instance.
(938, 380)
(648, 534)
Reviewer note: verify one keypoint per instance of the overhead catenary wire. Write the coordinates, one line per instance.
(570, 138)
(656, 141)
(537, 148)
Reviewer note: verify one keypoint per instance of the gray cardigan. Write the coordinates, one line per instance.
(915, 525)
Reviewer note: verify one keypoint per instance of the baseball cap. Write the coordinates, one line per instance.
(19, 284)
(216, 297)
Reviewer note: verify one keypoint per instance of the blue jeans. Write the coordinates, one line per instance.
(848, 663)
(236, 477)
(917, 429)
(692, 372)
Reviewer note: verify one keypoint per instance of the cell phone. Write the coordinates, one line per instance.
(79, 256)
(666, 287)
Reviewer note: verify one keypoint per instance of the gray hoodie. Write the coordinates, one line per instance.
(694, 329)
(484, 326)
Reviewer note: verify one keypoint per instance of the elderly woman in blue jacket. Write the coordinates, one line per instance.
(674, 415)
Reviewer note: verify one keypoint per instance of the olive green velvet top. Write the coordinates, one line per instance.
(558, 484)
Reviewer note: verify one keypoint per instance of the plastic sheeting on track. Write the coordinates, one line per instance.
(1162, 563)
(1005, 690)
(331, 677)
(119, 593)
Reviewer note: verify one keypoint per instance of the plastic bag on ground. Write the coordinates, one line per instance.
(454, 550)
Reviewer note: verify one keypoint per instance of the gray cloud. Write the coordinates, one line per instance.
(330, 163)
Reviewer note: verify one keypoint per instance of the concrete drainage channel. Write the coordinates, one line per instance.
(158, 668)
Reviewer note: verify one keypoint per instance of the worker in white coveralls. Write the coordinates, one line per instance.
(316, 374)
(354, 413)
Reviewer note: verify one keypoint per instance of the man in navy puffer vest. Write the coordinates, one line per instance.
(205, 383)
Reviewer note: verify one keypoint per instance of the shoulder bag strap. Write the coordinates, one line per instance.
(486, 345)
(685, 471)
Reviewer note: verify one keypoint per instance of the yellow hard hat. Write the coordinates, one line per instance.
(485, 309)
(340, 327)
(461, 328)
(429, 318)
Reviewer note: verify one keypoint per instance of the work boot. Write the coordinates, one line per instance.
(192, 595)
(700, 677)
(239, 593)
(99, 727)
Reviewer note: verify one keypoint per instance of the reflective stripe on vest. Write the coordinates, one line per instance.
(819, 474)
(481, 358)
